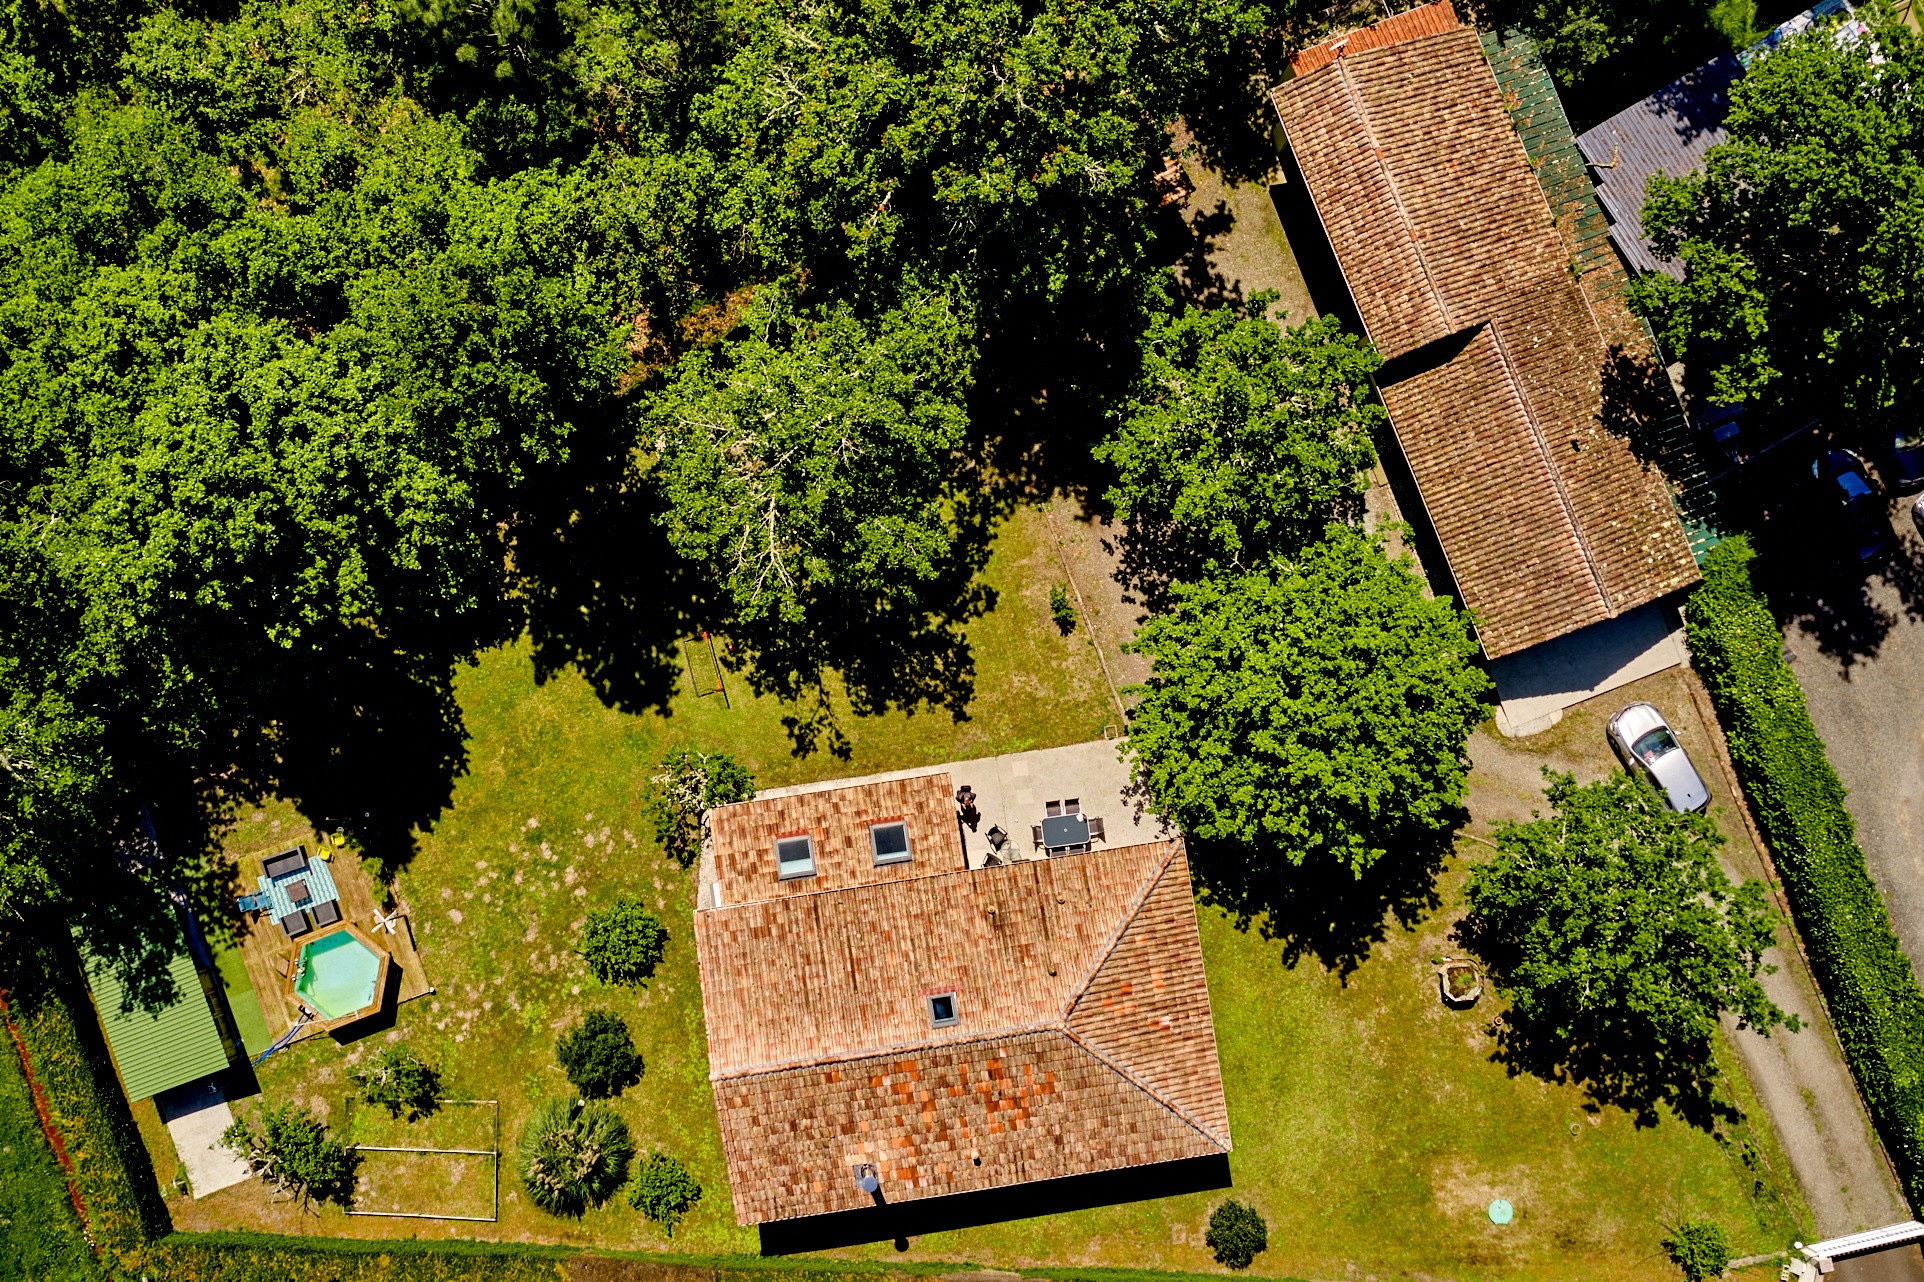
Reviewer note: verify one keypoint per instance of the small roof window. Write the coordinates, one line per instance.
(942, 1010)
(891, 842)
(795, 856)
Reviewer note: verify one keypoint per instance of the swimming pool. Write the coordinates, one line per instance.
(339, 974)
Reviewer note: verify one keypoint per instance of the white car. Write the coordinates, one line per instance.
(1645, 744)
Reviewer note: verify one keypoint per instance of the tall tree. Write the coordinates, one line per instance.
(1241, 438)
(809, 467)
(1315, 709)
(1803, 237)
(1619, 940)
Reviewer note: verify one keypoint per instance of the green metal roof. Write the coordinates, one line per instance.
(157, 1049)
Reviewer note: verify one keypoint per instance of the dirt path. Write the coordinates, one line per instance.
(1800, 1078)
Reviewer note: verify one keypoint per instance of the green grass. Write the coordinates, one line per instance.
(1371, 1125)
(40, 1236)
(246, 1007)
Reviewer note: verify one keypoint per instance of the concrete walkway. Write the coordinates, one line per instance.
(196, 1114)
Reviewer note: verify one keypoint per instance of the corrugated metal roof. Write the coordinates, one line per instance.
(155, 1050)
(1667, 133)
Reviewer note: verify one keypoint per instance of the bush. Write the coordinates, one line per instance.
(663, 1190)
(598, 1055)
(1871, 992)
(623, 942)
(398, 1080)
(573, 1155)
(292, 1151)
(1061, 610)
(1699, 1248)
(1237, 1234)
(688, 784)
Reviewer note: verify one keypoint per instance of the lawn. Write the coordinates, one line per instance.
(1371, 1126)
(40, 1238)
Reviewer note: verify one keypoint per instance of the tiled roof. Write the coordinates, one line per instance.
(1464, 281)
(743, 837)
(1083, 1039)
(1424, 20)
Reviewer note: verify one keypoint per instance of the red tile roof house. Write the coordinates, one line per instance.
(1497, 345)
(889, 1026)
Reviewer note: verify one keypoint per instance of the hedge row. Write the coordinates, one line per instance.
(1868, 983)
(266, 1257)
(70, 1062)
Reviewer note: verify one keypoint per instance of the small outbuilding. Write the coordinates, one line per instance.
(157, 1042)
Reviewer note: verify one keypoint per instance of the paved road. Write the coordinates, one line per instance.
(1857, 647)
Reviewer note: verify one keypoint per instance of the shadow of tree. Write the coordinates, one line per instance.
(1642, 1080)
(1322, 909)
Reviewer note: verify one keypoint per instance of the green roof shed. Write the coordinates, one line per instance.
(156, 1049)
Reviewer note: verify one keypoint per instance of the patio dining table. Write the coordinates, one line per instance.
(315, 878)
(1064, 832)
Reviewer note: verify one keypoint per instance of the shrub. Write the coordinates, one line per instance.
(398, 1080)
(1869, 988)
(1237, 1234)
(1061, 610)
(573, 1155)
(1699, 1248)
(663, 1190)
(598, 1055)
(293, 1152)
(681, 793)
(623, 942)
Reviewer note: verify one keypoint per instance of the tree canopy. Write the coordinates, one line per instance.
(1315, 709)
(1618, 939)
(340, 342)
(1803, 237)
(1242, 438)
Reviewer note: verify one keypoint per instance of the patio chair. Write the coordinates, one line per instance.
(1096, 830)
(1035, 830)
(325, 913)
(296, 925)
(1052, 809)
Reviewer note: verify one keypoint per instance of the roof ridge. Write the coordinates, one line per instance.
(1126, 1075)
(775, 1067)
(1128, 919)
(1058, 1023)
(1068, 1011)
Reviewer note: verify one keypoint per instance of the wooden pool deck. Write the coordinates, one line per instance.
(269, 954)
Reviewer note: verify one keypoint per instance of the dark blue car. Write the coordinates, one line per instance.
(1904, 460)
(1867, 526)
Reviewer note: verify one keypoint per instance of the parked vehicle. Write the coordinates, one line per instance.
(1903, 460)
(1648, 748)
(1843, 480)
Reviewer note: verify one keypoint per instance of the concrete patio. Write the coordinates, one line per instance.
(1012, 792)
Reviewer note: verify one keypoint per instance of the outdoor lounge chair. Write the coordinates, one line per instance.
(325, 913)
(296, 925)
(1096, 831)
(258, 901)
(286, 862)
